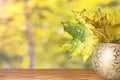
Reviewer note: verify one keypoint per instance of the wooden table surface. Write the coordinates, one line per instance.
(48, 74)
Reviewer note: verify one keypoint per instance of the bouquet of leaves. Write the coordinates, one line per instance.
(87, 32)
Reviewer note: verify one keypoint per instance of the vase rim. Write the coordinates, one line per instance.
(108, 43)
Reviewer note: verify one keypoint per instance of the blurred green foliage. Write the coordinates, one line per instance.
(36, 23)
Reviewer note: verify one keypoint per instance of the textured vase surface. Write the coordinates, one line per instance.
(106, 60)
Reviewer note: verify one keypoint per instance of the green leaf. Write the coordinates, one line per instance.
(77, 31)
(83, 40)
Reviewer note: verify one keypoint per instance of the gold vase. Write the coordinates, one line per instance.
(106, 60)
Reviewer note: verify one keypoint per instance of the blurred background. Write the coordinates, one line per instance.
(31, 32)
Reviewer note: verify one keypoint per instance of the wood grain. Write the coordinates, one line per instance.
(48, 74)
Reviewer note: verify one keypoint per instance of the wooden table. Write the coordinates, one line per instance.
(48, 74)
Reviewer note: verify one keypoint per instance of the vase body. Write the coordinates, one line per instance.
(106, 60)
